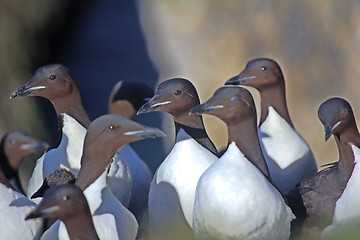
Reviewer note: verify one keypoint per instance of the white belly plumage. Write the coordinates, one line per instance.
(234, 200)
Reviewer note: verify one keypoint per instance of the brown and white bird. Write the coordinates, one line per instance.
(321, 192)
(125, 99)
(287, 154)
(67, 203)
(235, 198)
(104, 137)
(172, 191)
(56, 83)
(14, 147)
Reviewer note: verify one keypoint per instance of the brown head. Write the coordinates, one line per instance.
(175, 96)
(231, 104)
(266, 76)
(67, 203)
(61, 202)
(236, 107)
(56, 83)
(51, 82)
(18, 144)
(104, 137)
(128, 96)
(338, 119)
(260, 73)
(15, 146)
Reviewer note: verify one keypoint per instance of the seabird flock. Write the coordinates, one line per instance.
(264, 185)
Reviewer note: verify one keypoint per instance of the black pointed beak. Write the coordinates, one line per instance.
(42, 210)
(25, 90)
(239, 80)
(40, 192)
(34, 214)
(203, 109)
(198, 109)
(328, 132)
(147, 132)
(145, 108)
(150, 106)
(20, 92)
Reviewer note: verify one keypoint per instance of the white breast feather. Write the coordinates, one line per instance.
(235, 201)
(119, 178)
(13, 209)
(347, 211)
(67, 155)
(141, 177)
(287, 154)
(180, 171)
(281, 141)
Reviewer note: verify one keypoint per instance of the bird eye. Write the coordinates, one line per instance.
(233, 98)
(65, 198)
(263, 68)
(344, 110)
(177, 92)
(52, 77)
(111, 127)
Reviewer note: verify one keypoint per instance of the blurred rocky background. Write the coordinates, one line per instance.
(317, 44)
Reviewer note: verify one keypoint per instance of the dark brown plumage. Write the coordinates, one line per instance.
(67, 203)
(56, 83)
(104, 137)
(14, 147)
(320, 192)
(177, 96)
(236, 107)
(266, 76)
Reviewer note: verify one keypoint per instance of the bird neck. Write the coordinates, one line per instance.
(92, 168)
(73, 106)
(244, 134)
(193, 125)
(346, 154)
(81, 226)
(274, 96)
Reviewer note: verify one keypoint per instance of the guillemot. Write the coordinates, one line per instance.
(172, 191)
(58, 177)
(67, 203)
(346, 218)
(56, 83)
(287, 154)
(14, 147)
(321, 192)
(104, 137)
(125, 99)
(235, 198)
